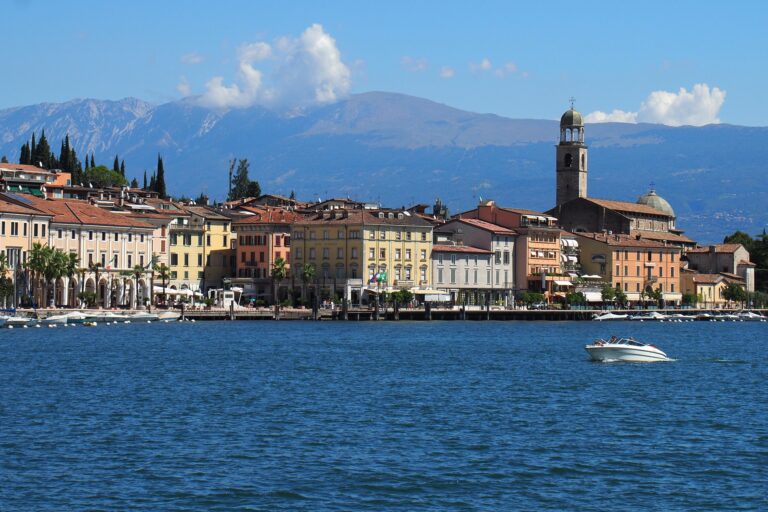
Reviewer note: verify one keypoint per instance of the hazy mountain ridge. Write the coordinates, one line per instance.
(398, 149)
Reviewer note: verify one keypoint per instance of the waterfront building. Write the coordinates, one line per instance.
(350, 248)
(537, 248)
(108, 245)
(263, 235)
(651, 217)
(632, 264)
(21, 226)
(731, 260)
(201, 249)
(709, 289)
(474, 261)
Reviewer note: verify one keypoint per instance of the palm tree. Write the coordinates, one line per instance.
(56, 266)
(70, 269)
(279, 272)
(164, 273)
(307, 275)
(6, 285)
(137, 271)
(94, 267)
(35, 264)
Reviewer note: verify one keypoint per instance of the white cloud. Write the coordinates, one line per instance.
(698, 107)
(183, 87)
(483, 65)
(414, 64)
(615, 116)
(192, 58)
(506, 69)
(447, 72)
(294, 72)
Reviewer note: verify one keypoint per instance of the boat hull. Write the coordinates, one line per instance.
(625, 353)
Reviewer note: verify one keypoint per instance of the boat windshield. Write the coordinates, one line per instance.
(625, 341)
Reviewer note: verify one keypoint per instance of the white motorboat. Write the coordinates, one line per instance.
(751, 316)
(143, 317)
(107, 317)
(168, 316)
(609, 316)
(624, 349)
(15, 321)
(77, 317)
(54, 320)
(653, 316)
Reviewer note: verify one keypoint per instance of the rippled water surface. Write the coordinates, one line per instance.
(381, 416)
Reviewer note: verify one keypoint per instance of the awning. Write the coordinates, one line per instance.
(563, 283)
(593, 296)
(594, 276)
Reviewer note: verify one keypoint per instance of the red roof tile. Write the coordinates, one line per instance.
(460, 248)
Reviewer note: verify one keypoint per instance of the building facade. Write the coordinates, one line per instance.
(723, 258)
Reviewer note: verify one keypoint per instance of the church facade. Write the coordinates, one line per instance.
(650, 218)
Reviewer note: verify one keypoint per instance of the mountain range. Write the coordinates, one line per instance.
(399, 150)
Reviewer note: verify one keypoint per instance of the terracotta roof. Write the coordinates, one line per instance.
(621, 240)
(268, 215)
(624, 206)
(364, 217)
(523, 211)
(10, 207)
(732, 277)
(24, 167)
(488, 226)
(662, 235)
(707, 278)
(75, 211)
(722, 248)
(206, 213)
(460, 248)
(747, 263)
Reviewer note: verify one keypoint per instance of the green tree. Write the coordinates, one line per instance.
(122, 168)
(160, 180)
(95, 268)
(4, 160)
(242, 186)
(116, 165)
(608, 293)
(101, 177)
(307, 275)
(279, 273)
(137, 271)
(164, 273)
(6, 283)
(42, 155)
(575, 298)
(740, 237)
(134, 183)
(144, 186)
(734, 292)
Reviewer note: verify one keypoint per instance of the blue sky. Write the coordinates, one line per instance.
(620, 60)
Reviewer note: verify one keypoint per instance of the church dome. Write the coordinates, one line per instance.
(571, 118)
(654, 200)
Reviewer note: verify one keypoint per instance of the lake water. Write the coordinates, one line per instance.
(382, 416)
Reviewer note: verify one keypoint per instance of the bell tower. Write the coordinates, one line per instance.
(571, 156)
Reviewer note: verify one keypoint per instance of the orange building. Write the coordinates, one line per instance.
(537, 249)
(632, 264)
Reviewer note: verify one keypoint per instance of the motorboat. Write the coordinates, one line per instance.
(15, 321)
(54, 320)
(143, 317)
(653, 316)
(609, 316)
(624, 349)
(107, 317)
(77, 317)
(169, 316)
(751, 316)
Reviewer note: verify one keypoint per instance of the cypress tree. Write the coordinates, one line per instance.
(153, 183)
(122, 168)
(32, 150)
(24, 157)
(4, 160)
(134, 183)
(93, 161)
(116, 165)
(145, 180)
(160, 183)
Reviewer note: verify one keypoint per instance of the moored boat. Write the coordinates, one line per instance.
(168, 316)
(609, 316)
(624, 349)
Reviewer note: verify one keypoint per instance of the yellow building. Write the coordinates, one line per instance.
(201, 249)
(348, 248)
(709, 289)
(21, 226)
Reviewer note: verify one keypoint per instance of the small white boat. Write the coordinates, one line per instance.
(54, 320)
(169, 316)
(143, 317)
(609, 316)
(653, 316)
(15, 321)
(624, 349)
(76, 317)
(750, 316)
(107, 317)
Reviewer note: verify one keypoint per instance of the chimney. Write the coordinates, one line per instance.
(712, 249)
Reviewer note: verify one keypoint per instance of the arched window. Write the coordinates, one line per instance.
(568, 159)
